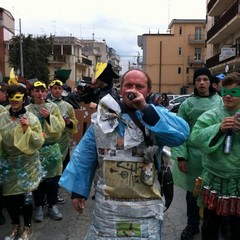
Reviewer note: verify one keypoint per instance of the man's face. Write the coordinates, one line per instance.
(134, 80)
(39, 95)
(3, 97)
(101, 84)
(56, 91)
(230, 102)
(202, 84)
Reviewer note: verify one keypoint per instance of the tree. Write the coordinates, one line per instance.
(35, 55)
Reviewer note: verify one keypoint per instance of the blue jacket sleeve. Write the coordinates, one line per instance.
(79, 173)
(170, 129)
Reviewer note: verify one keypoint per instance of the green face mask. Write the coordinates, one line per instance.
(233, 92)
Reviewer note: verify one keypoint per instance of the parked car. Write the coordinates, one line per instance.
(172, 96)
(175, 103)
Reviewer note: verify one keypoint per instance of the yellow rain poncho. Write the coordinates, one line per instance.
(20, 160)
(50, 153)
(66, 109)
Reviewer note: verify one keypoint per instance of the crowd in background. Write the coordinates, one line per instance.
(38, 124)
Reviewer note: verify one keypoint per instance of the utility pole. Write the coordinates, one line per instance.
(21, 50)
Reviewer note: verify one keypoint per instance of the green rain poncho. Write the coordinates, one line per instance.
(20, 158)
(50, 153)
(190, 110)
(221, 171)
(66, 109)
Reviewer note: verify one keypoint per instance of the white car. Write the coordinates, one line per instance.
(175, 103)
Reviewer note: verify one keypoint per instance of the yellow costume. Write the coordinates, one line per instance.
(21, 164)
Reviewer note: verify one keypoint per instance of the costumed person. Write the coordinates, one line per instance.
(50, 154)
(22, 137)
(3, 94)
(128, 203)
(68, 114)
(188, 165)
(217, 133)
(2, 218)
(104, 76)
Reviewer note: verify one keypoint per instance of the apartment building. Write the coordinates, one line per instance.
(6, 33)
(170, 59)
(98, 51)
(223, 36)
(71, 56)
(67, 56)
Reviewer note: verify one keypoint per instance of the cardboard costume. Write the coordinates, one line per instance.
(126, 205)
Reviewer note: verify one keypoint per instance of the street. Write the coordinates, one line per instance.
(74, 226)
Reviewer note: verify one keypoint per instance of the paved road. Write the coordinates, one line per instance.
(74, 227)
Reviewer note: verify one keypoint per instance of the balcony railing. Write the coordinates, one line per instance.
(226, 18)
(84, 61)
(194, 60)
(214, 60)
(210, 5)
(196, 39)
(57, 58)
(87, 61)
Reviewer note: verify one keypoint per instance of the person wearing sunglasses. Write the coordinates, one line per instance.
(217, 133)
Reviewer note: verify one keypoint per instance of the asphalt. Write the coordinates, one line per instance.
(74, 226)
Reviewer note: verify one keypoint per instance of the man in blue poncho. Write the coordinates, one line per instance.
(128, 202)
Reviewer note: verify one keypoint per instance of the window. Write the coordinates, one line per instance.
(180, 30)
(179, 51)
(197, 54)
(198, 33)
(57, 49)
(179, 70)
(187, 70)
(67, 50)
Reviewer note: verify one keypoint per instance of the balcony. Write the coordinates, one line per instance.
(227, 25)
(217, 7)
(196, 39)
(214, 60)
(84, 62)
(57, 59)
(192, 60)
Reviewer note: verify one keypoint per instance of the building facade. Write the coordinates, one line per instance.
(7, 30)
(223, 36)
(79, 57)
(68, 54)
(170, 59)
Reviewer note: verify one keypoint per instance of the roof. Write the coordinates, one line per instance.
(186, 21)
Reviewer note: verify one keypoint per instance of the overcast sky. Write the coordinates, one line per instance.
(117, 22)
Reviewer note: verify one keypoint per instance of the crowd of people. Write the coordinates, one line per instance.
(121, 154)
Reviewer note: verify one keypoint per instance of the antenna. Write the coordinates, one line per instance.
(54, 27)
(169, 10)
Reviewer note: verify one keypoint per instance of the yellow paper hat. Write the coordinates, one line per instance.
(105, 73)
(13, 78)
(100, 68)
